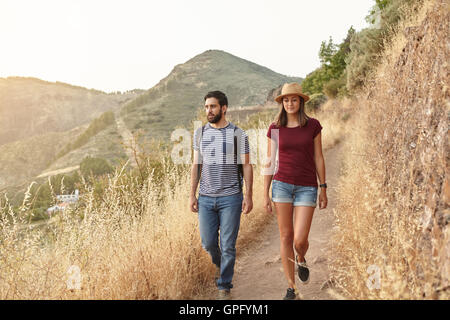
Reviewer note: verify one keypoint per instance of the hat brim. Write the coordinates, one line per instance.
(304, 96)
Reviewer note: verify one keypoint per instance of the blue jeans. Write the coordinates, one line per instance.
(224, 214)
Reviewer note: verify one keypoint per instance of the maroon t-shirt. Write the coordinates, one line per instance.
(296, 153)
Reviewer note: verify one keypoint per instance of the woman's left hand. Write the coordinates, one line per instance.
(247, 204)
(323, 200)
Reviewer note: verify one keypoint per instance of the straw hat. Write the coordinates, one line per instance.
(291, 88)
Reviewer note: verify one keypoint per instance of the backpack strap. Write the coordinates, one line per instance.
(240, 168)
(199, 165)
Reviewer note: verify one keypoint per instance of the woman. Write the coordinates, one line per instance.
(297, 140)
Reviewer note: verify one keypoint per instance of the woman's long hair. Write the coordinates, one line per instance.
(281, 118)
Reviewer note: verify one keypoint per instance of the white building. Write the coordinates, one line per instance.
(64, 200)
(68, 197)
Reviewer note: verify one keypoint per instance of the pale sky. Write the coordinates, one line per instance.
(122, 45)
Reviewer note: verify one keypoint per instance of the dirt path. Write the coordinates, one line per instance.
(59, 171)
(258, 272)
(127, 138)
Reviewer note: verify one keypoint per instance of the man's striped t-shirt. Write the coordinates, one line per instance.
(219, 175)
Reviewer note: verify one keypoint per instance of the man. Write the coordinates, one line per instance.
(219, 149)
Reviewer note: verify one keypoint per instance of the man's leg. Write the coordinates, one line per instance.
(208, 218)
(230, 208)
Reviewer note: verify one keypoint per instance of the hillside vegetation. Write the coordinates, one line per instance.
(392, 236)
(22, 160)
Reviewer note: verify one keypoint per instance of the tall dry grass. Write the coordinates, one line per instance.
(129, 245)
(391, 236)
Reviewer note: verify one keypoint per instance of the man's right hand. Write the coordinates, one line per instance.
(193, 203)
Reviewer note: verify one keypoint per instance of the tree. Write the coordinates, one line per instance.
(333, 66)
(376, 10)
(366, 46)
(313, 83)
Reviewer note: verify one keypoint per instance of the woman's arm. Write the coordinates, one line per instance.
(269, 168)
(320, 168)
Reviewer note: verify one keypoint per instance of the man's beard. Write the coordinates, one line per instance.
(216, 118)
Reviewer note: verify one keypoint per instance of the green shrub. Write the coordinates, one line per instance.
(97, 125)
(346, 116)
(365, 47)
(333, 65)
(313, 82)
(333, 87)
(95, 166)
(315, 101)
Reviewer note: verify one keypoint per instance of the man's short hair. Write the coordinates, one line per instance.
(219, 95)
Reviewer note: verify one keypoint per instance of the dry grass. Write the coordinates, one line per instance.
(334, 116)
(393, 199)
(131, 244)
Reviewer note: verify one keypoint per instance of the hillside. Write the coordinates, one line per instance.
(24, 159)
(176, 98)
(106, 144)
(39, 118)
(30, 106)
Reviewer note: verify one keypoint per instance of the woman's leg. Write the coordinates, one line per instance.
(285, 225)
(302, 223)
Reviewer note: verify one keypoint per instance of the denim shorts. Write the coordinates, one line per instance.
(290, 193)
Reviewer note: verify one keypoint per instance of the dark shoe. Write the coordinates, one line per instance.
(224, 294)
(290, 294)
(303, 271)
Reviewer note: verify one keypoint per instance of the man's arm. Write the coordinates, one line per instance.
(247, 168)
(193, 202)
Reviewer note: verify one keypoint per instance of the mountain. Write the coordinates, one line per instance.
(175, 99)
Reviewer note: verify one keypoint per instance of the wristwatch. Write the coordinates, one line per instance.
(323, 185)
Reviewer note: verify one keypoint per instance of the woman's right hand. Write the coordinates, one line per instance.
(267, 204)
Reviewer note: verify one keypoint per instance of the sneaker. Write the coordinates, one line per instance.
(302, 271)
(290, 294)
(224, 294)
